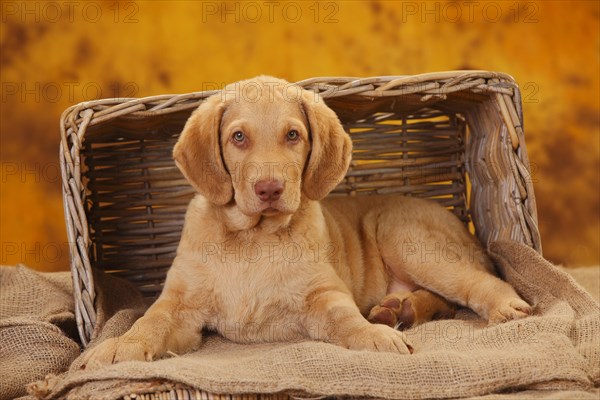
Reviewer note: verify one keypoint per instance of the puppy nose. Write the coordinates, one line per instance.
(268, 190)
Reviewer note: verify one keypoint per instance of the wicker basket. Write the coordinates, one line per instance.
(456, 137)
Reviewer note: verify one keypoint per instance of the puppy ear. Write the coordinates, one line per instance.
(197, 153)
(331, 148)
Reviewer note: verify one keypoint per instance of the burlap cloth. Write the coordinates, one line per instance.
(555, 354)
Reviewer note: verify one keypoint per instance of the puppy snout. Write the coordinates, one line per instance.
(268, 190)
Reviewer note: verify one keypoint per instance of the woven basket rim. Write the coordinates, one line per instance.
(341, 82)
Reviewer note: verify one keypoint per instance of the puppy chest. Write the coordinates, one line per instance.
(250, 310)
(258, 302)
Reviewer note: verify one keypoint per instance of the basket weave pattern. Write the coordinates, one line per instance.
(455, 137)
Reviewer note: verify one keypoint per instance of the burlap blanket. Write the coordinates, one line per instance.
(553, 354)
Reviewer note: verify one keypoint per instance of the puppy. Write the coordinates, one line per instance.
(265, 257)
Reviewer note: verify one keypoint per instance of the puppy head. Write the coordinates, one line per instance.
(261, 143)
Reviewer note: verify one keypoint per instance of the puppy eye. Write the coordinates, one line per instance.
(293, 135)
(239, 136)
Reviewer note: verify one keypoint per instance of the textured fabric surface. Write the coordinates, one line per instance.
(593, 394)
(37, 327)
(588, 278)
(38, 333)
(554, 354)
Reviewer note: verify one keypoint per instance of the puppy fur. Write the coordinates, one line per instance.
(264, 256)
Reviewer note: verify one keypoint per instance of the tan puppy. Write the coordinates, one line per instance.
(263, 258)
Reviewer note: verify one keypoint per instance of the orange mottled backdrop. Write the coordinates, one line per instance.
(58, 53)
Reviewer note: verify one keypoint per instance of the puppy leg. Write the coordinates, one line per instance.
(163, 328)
(471, 285)
(332, 316)
(173, 323)
(490, 297)
(405, 309)
(445, 259)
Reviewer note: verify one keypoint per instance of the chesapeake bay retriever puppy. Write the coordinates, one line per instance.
(264, 256)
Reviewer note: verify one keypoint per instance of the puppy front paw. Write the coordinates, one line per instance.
(115, 350)
(509, 309)
(380, 338)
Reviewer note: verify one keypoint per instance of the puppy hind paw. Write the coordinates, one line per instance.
(382, 315)
(394, 312)
(509, 310)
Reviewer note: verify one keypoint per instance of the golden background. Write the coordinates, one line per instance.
(55, 54)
